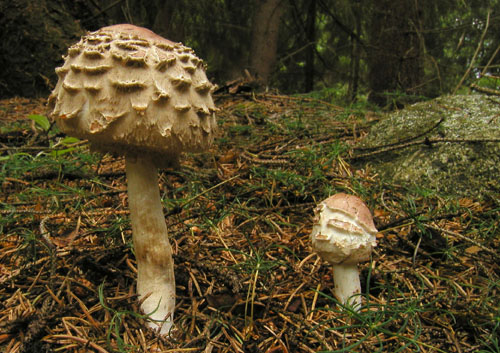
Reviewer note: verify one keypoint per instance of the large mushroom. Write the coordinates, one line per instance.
(343, 234)
(134, 93)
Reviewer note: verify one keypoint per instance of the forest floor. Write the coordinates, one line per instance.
(239, 219)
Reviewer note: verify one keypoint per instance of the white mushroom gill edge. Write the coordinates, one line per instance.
(337, 237)
(155, 266)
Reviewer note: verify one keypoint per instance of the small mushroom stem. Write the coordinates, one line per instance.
(155, 266)
(347, 285)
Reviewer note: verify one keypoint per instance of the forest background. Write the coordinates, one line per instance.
(377, 49)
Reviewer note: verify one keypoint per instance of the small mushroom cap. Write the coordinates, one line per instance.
(343, 230)
(130, 91)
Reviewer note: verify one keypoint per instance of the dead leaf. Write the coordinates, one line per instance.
(474, 249)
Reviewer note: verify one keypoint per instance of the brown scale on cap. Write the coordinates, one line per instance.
(354, 207)
(130, 91)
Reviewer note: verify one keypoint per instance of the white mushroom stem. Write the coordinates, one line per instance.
(155, 266)
(347, 285)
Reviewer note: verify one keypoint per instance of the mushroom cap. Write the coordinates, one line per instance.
(130, 92)
(343, 230)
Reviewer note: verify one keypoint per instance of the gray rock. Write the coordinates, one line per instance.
(453, 157)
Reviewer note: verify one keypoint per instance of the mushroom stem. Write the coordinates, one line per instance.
(347, 285)
(155, 266)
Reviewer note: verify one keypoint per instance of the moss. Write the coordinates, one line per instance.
(458, 168)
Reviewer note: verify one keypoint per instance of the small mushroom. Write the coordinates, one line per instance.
(343, 234)
(134, 112)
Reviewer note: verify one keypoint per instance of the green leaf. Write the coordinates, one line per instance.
(41, 121)
(57, 153)
(69, 140)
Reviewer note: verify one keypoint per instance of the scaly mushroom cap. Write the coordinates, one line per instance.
(343, 230)
(129, 91)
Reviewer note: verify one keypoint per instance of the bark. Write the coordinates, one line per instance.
(311, 39)
(355, 56)
(395, 57)
(165, 23)
(162, 23)
(265, 32)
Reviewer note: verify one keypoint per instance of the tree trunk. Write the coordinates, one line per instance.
(162, 23)
(395, 60)
(265, 30)
(311, 40)
(352, 90)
